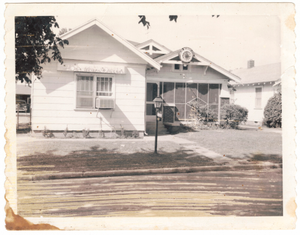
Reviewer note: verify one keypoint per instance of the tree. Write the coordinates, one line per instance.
(147, 23)
(63, 31)
(34, 41)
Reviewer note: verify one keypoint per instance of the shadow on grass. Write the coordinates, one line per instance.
(258, 158)
(274, 158)
(97, 159)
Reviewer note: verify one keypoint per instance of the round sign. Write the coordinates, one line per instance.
(186, 55)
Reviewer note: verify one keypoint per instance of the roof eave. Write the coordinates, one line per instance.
(117, 37)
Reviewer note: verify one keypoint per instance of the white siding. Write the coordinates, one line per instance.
(97, 45)
(245, 96)
(196, 74)
(54, 102)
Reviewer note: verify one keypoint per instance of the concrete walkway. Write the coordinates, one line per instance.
(191, 145)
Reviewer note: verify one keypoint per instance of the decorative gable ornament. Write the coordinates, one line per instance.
(186, 55)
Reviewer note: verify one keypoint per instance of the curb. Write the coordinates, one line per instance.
(113, 173)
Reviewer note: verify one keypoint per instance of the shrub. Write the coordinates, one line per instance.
(204, 118)
(202, 113)
(273, 111)
(86, 133)
(135, 134)
(66, 132)
(47, 133)
(232, 115)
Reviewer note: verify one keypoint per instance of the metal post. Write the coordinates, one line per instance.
(156, 131)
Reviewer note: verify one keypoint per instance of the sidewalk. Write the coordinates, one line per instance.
(80, 158)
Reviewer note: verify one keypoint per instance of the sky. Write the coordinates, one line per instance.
(229, 40)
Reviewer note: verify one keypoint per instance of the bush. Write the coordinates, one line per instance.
(273, 111)
(202, 113)
(232, 115)
(204, 118)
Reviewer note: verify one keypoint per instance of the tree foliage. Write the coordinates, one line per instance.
(273, 111)
(147, 23)
(35, 44)
(63, 31)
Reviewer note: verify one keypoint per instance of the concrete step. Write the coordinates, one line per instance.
(151, 128)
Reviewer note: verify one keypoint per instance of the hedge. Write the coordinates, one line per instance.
(273, 111)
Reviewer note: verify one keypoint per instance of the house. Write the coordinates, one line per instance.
(107, 83)
(23, 92)
(259, 84)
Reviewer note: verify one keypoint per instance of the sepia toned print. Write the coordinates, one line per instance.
(119, 114)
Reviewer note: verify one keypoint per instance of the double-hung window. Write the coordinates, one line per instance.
(91, 86)
(258, 96)
(104, 86)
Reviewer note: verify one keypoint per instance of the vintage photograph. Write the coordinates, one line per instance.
(120, 113)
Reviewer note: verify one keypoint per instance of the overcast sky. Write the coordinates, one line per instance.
(229, 40)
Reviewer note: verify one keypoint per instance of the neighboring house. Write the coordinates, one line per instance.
(106, 83)
(259, 84)
(23, 93)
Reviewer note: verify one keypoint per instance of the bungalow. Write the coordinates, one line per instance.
(107, 84)
(259, 84)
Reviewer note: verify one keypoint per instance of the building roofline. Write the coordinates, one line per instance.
(155, 42)
(205, 62)
(127, 44)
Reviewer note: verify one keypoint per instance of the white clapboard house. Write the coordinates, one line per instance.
(258, 85)
(108, 83)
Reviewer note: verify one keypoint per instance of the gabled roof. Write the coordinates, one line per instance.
(115, 36)
(202, 62)
(263, 73)
(161, 49)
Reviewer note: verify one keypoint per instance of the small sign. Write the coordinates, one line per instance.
(96, 68)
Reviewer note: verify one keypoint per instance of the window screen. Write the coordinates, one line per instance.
(104, 86)
(84, 92)
(168, 92)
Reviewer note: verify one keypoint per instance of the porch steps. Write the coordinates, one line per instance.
(150, 128)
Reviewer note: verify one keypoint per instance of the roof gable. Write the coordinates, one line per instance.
(96, 22)
(153, 48)
(173, 58)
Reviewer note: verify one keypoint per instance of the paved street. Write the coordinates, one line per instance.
(239, 193)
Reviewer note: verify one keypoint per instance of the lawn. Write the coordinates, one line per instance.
(35, 156)
(40, 157)
(237, 143)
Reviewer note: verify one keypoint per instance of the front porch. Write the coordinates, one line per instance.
(179, 100)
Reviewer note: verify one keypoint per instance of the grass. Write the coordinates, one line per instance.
(237, 143)
(36, 157)
(39, 157)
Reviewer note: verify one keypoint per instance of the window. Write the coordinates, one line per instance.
(89, 87)
(85, 92)
(104, 86)
(258, 95)
(185, 67)
(176, 66)
(181, 67)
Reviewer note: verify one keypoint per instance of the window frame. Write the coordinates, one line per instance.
(261, 98)
(94, 75)
(180, 68)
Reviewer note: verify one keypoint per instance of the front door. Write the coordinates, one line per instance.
(152, 92)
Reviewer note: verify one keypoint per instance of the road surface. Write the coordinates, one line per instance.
(239, 193)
